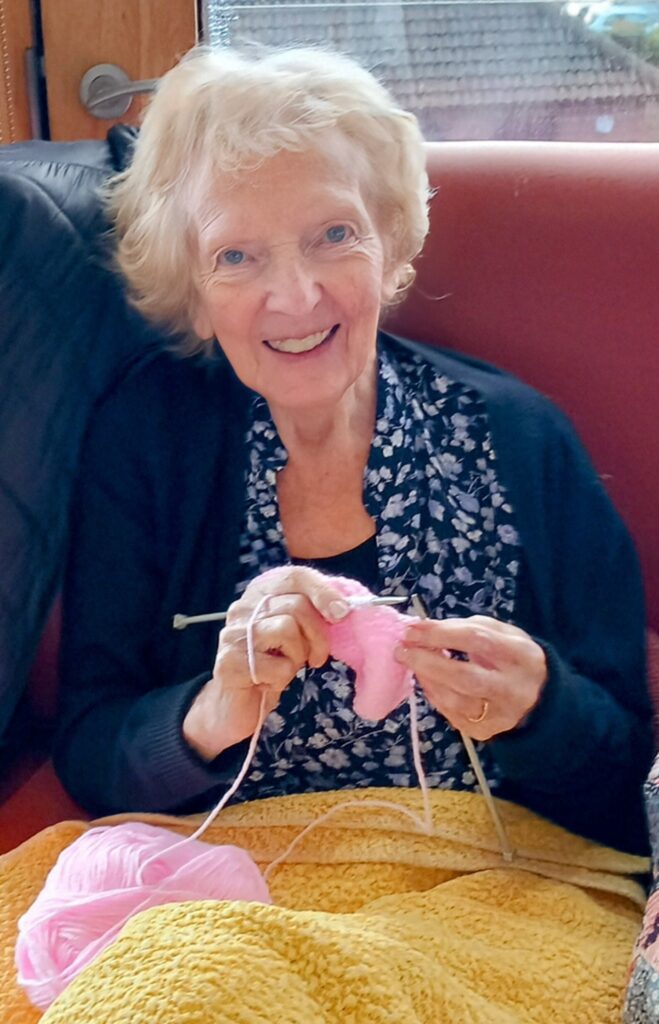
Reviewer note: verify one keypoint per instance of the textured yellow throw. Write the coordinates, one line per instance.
(373, 923)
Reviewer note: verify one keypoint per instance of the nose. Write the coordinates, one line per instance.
(292, 285)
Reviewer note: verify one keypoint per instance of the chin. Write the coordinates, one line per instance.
(305, 398)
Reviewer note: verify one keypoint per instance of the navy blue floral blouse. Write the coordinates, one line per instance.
(445, 530)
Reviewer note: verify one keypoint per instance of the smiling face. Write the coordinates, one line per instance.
(292, 277)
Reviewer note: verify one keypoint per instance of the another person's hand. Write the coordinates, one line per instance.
(490, 691)
(288, 634)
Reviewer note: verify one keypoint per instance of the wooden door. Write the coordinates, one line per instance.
(143, 37)
(15, 41)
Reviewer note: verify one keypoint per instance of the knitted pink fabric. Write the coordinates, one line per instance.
(365, 640)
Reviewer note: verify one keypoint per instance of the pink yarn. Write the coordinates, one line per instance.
(109, 874)
(93, 889)
(365, 640)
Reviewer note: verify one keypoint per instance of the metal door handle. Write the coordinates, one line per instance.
(106, 91)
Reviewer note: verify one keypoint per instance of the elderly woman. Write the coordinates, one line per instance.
(270, 216)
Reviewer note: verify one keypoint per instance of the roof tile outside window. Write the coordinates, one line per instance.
(483, 69)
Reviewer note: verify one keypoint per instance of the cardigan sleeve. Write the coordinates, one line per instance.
(120, 745)
(583, 754)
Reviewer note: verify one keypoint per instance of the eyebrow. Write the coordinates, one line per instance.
(214, 242)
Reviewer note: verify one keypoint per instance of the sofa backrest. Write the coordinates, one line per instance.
(543, 258)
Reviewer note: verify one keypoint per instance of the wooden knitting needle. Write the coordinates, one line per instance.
(506, 849)
(358, 601)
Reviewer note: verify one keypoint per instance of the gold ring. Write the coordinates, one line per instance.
(483, 714)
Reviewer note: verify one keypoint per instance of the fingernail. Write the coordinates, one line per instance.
(338, 610)
(399, 654)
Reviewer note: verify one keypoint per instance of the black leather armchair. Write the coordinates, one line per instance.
(66, 336)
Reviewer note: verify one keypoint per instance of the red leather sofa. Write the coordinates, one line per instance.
(544, 259)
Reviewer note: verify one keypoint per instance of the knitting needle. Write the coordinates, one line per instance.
(506, 849)
(358, 601)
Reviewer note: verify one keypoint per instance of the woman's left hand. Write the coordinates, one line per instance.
(492, 691)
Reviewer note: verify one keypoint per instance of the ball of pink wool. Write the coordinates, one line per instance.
(365, 640)
(96, 885)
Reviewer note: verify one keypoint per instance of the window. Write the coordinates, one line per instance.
(505, 69)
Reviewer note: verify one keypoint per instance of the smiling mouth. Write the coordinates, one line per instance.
(297, 346)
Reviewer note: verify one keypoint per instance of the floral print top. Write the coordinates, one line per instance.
(445, 530)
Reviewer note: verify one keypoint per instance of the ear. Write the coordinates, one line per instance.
(390, 281)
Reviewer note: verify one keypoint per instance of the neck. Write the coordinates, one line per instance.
(340, 428)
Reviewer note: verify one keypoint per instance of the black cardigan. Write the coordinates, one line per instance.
(156, 523)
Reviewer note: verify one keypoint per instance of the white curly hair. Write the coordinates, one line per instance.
(224, 110)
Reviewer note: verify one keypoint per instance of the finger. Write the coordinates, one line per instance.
(281, 633)
(489, 621)
(506, 628)
(297, 579)
(272, 671)
(483, 644)
(299, 609)
(274, 633)
(309, 621)
(464, 679)
(464, 717)
(461, 711)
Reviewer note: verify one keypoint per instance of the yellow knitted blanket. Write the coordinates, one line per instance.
(372, 923)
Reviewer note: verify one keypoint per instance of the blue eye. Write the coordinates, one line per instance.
(337, 233)
(232, 257)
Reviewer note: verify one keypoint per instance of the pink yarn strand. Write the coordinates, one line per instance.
(424, 824)
(251, 661)
(223, 801)
(416, 754)
(239, 778)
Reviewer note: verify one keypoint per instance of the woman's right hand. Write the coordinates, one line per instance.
(289, 633)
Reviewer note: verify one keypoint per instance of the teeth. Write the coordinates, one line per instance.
(299, 344)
